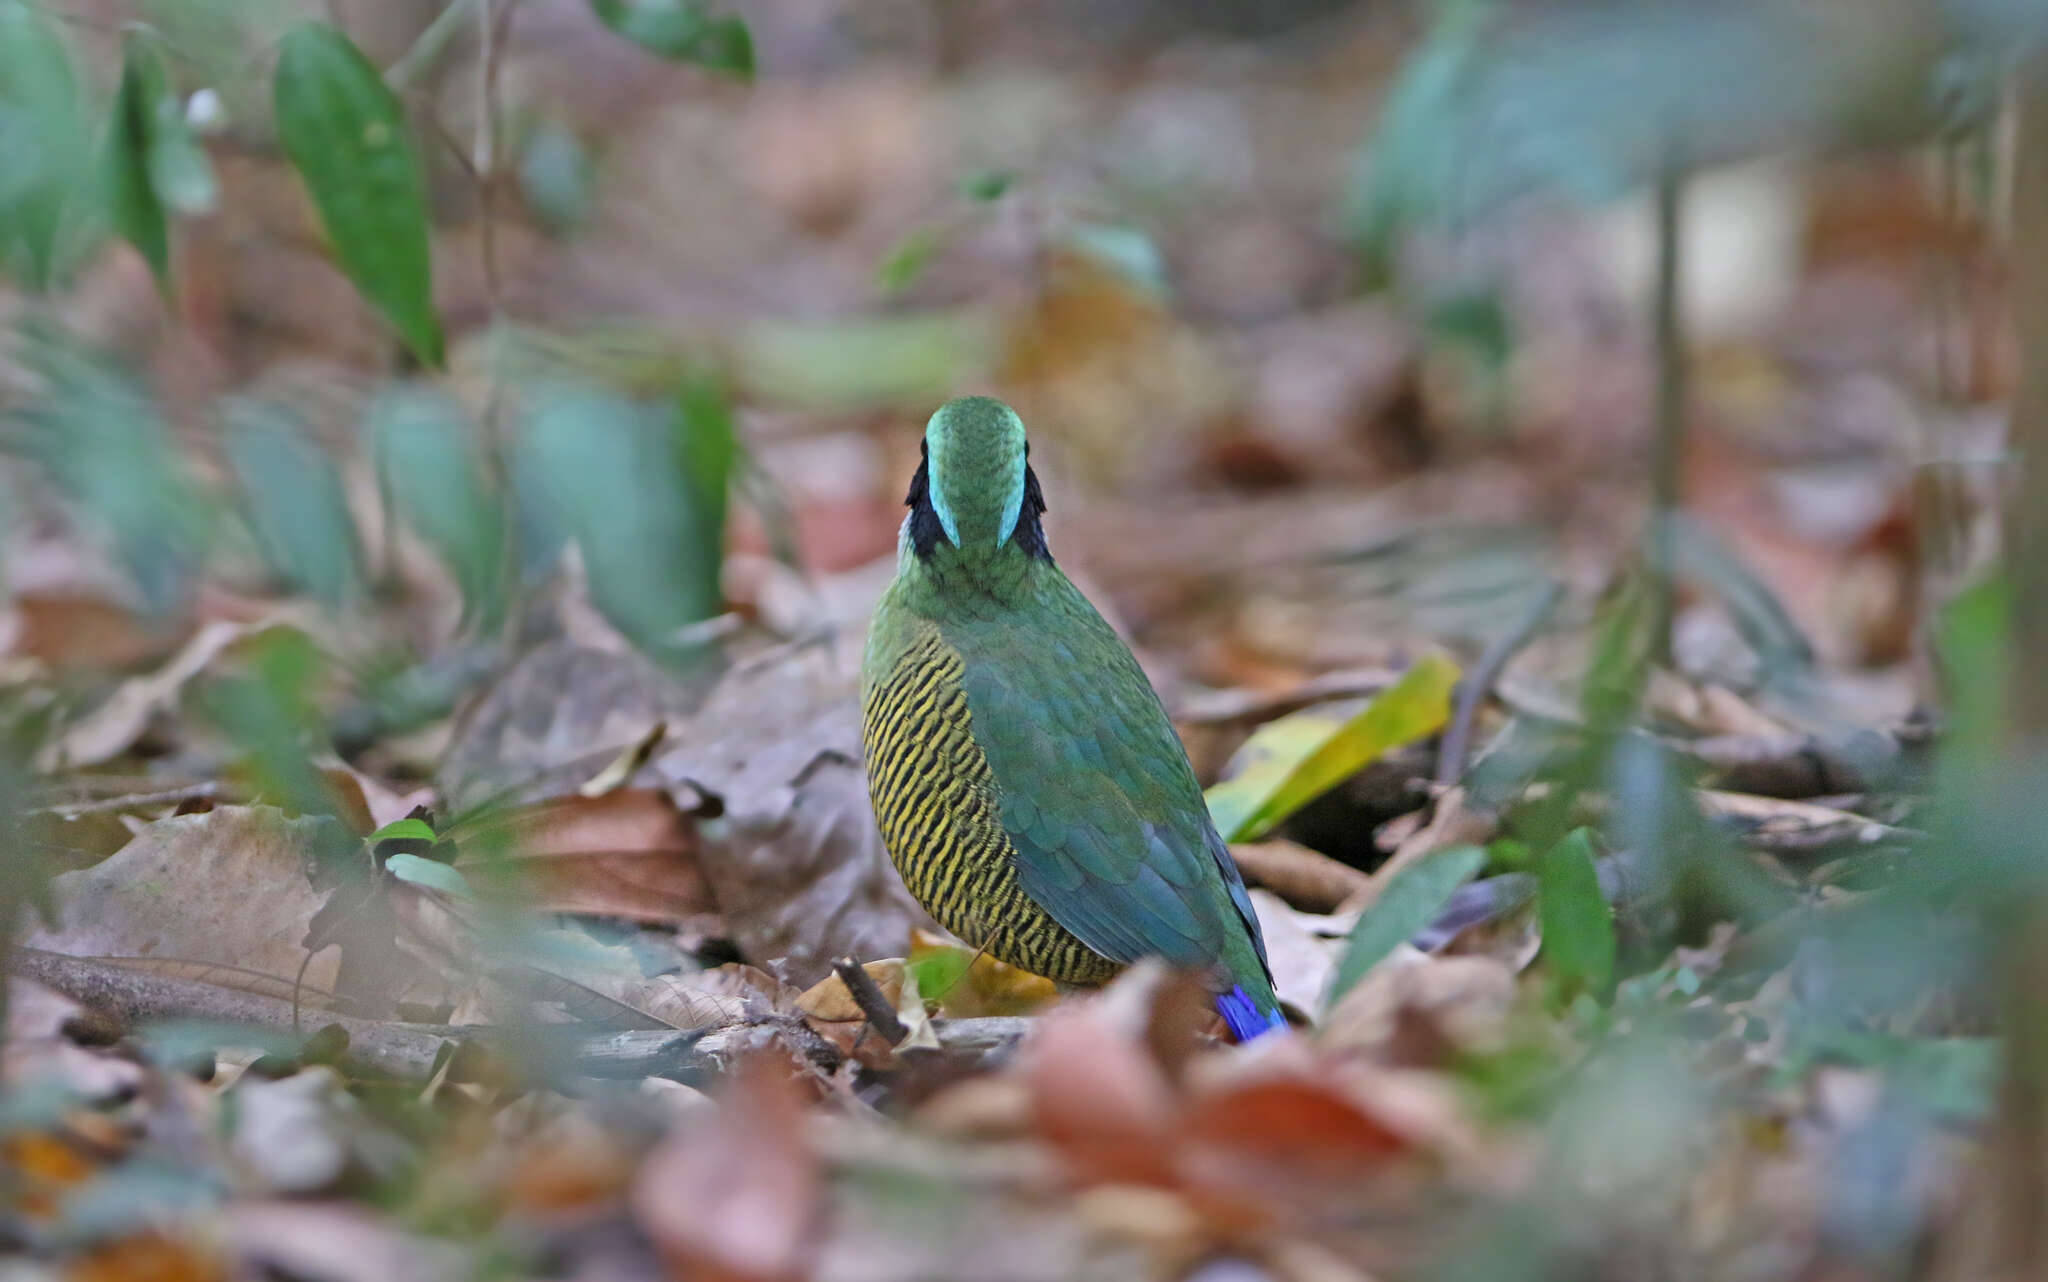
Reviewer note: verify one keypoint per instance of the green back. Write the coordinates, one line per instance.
(1094, 789)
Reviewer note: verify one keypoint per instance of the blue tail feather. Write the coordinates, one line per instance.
(1246, 1017)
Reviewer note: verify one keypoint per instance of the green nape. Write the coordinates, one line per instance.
(1025, 777)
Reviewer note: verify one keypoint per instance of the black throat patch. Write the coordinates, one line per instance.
(927, 533)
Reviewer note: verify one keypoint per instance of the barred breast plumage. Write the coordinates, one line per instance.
(1027, 781)
(935, 801)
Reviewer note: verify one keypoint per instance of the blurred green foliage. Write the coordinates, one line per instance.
(1410, 902)
(100, 438)
(293, 500)
(49, 206)
(683, 30)
(153, 165)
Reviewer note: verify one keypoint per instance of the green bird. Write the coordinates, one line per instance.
(1027, 782)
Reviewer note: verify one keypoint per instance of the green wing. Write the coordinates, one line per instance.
(1112, 836)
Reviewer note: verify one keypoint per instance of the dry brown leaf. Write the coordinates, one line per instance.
(698, 1000)
(1418, 1010)
(1269, 1132)
(829, 1001)
(628, 853)
(1100, 1097)
(113, 727)
(333, 1240)
(554, 719)
(570, 1164)
(1301, 950)
(70, 630)
(226, 888)
(795, 863)
(1306, 879)
(736, 1198)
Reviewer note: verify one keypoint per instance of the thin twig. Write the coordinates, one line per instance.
(873, 1002)
(1668, 445)
(427, 46)
(169, 796)
(1224, 706)
(493, 24)
(1479, 683)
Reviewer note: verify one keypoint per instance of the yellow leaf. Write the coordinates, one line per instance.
(1291, 761)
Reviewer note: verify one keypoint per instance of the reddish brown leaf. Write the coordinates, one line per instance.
(1099, 1095)
(76, 632)
(1291, 1125)
(737, 1198)
(629, 854)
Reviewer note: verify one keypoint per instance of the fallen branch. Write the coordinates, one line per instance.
(873, 1002)
(412, 1052)
(1796, 829)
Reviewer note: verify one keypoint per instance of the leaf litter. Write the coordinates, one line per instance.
(583, 1012)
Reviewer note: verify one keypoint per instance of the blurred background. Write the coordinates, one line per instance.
(1548, 454)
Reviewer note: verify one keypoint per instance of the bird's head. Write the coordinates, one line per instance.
(975, 489)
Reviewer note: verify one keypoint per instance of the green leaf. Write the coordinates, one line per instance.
(1578, 928)
(346, 134)
(269, 711)
(907, 260)
(641, 487)
(48, 185)
(405, 830)
(136, 209)
(1476, 324)
(150, 161)
(430, 875)
(1975, 654)
(1410, 902)
(1291, 761)
(294, 501)
(986, 185)
(682, 30)
(433, 472)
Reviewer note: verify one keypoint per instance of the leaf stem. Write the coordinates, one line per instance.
(1668, 443)
(428, 46)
